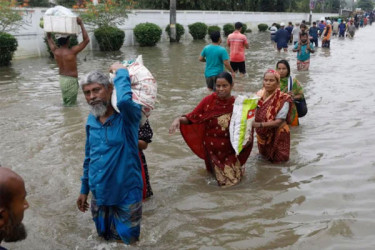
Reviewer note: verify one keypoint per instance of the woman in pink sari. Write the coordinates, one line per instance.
(272, 118)
(206, 131)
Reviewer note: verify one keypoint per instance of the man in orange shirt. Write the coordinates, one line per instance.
(237, 43)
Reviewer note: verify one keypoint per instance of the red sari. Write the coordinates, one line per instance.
(273, 143)
(208, 137)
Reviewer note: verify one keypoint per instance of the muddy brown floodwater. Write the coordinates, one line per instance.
(323, 198)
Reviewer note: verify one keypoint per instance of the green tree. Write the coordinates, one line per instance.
(245, 5)
(365, 4)
(10, 19)
(107, 13)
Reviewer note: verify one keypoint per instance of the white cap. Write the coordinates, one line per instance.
(322, 19)
(328, 22)
(282, 24)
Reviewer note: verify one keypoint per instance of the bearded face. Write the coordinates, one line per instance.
(98, 107)
(13, 232)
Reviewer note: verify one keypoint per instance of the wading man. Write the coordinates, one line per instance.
(215, 57)
(112, 169)
(13, 203)
(237, 43)
(66, 59)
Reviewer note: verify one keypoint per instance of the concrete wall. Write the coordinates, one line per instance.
(31, 44)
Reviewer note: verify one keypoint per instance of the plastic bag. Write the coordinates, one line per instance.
(143, 84)
(241, 121)
(59, 11)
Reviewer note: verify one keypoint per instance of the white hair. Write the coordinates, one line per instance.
(96, 77)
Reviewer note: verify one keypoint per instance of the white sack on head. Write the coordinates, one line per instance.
(144, 87)
(59, 11)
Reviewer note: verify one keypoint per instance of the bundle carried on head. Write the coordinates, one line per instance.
(144, 87)
(60, 20)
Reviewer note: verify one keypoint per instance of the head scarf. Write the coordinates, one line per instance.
(275, 73)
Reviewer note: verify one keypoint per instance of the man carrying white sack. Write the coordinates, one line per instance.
(112, 169)
(66, 59)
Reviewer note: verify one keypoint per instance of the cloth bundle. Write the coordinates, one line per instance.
(143, 84)
(59, 11)
(240, 128)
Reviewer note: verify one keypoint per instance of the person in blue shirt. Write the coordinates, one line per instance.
(342, 29)
(282, 38)
(13, 204)
(215, 57)
(303, 49)
(289, 28)
(112, 169)
(322, 26)
(313, 32)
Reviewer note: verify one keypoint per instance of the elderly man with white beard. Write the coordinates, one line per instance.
(112, 169)
(13, 203)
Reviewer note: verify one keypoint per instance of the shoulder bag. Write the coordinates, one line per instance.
(300, 103)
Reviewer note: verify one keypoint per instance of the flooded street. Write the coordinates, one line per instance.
(323, 198)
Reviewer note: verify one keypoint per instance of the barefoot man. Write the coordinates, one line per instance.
(66, 59)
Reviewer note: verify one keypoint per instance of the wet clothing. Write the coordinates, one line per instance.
(327, 36)
(215, 56)
(112, 169)
(145, 134)
(237, 42)
(304, 53)
(313, 33)
(351, 30)
(69, 89)
(2, 248)
(119, 222)
(335, 28)
(295, 32)
(208, 137)
(297, 90)
(273, 30)
(289, 29)
(240, 66)
(282, 38)
(273, 143)
(211, 82)
(321, 27)
(342, 29)
(303, 65)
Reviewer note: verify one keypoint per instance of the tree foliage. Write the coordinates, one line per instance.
(10, 18)
(365, 4)
(106, 13)
(8, 44)
(147, 34)
(245, 5)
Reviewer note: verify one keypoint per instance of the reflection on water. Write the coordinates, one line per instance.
(321, 198)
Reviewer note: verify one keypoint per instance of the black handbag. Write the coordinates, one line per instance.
(300, 103)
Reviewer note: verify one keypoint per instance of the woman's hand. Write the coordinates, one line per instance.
(257, 124)
(174, 126)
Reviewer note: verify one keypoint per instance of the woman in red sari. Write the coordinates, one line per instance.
(271, 118)
(206, 131)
